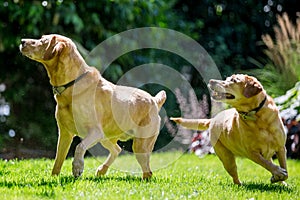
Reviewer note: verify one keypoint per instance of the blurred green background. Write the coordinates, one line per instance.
(241, 36)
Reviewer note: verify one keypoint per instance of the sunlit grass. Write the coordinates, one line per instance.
(188, 177)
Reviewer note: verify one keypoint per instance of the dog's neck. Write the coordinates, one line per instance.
(250, 115)
(62, 71)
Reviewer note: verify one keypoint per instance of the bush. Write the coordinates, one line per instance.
(283, 70)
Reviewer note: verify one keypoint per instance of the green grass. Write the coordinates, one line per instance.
(188, 177)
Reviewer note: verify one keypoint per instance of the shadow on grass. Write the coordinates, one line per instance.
(127, 178)
(263, 187)
(66, 180)
(63, 180)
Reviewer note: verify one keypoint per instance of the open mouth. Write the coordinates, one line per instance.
(221, 95)
(23, 50)
(218, 92)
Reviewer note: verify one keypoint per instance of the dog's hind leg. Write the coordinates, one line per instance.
(142, 148)
(228, 160)
(114, 150)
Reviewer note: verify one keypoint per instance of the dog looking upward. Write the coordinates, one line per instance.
(251, 129)
(93, 108)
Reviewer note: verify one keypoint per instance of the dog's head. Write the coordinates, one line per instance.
(236, 88)
(58, 54)
(47, 48)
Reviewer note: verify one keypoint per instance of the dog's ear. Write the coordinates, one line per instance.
(252, 88)
(53, 49)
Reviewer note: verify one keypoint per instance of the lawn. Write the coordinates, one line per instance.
(186, 177)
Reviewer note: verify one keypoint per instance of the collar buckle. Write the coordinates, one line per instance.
(58, 90)
(248, 116)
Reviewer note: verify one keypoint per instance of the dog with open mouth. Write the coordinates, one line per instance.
(93, 108)
(252, 128)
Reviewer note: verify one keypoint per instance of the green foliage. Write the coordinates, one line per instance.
(272, 80)
(228, 30)
(87, 22)
(187, 178)
(283, 71)
(288, 103)
(231, 30)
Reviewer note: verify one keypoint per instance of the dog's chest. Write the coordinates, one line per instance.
(77, 118)
(65, 119)
(264, 135)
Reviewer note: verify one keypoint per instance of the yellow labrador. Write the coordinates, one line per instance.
(93, 108)
(251, 129)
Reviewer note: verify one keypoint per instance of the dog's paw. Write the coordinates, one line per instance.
(147, 175)
(237, 182)
(283, 183)
(77, 167)
(102, 169)
(279, 175)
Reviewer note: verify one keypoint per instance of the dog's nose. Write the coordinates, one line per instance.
(212, 81)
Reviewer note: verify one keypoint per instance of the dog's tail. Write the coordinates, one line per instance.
(160, 98)
(196, 124)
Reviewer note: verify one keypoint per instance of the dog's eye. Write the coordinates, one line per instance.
(236, 80)
(231, 79)
(44, 40)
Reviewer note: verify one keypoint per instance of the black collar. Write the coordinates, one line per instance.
(251, 113)
(260, 105)
(60, 89)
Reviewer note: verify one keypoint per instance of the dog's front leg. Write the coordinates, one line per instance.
(281, 155)
(89, 141)
(63, 146)
(278, 173)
